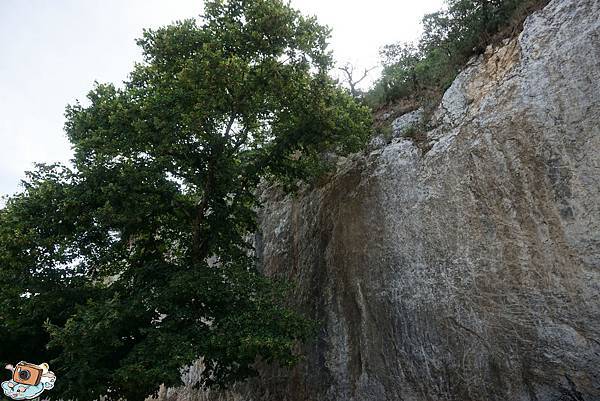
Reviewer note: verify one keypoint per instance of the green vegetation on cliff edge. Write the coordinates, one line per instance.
(419, 73)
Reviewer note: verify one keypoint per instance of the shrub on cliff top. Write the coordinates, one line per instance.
(450, 37)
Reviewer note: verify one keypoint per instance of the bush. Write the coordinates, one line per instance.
(450, 37)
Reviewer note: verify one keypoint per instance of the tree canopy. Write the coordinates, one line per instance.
(136, 260)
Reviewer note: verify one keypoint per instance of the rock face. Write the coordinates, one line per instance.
(469, 270)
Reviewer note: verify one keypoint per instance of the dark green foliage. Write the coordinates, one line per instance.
(136, 261)
(450, 38)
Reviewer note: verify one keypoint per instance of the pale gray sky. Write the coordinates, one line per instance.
(51, 51)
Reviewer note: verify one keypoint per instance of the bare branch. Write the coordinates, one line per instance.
(352, 82)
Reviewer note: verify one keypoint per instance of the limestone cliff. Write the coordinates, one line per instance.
(466, 269)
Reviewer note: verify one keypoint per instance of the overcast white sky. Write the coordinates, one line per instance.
(51, 51)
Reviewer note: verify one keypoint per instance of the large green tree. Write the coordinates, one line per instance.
(135, 261)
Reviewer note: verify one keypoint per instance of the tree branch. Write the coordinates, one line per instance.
(348, 69)
(229, 125)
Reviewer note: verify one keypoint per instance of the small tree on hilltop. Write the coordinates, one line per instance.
(352, 79)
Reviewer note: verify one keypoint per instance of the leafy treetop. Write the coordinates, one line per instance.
(136, 261)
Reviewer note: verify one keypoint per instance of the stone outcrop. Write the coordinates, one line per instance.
(468, 269)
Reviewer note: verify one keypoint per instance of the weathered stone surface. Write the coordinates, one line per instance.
(407, 121)
(471, 271)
